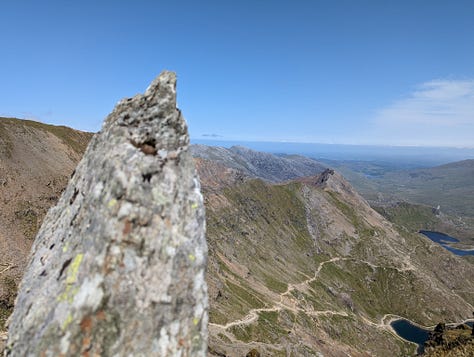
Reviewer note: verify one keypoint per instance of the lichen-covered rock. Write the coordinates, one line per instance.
(117, 268)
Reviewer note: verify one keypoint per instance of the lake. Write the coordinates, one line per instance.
(410, 332)
(443, 240)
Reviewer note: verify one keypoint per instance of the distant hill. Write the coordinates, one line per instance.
(414, 217)
(451, 186)
(463, 165)
(257, 164)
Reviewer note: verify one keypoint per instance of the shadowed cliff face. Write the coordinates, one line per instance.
(117, 267)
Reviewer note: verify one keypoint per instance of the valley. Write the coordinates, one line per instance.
(446, 188)
(357, 270)
(299, 262)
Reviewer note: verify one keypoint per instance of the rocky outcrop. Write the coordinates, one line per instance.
(450, 341)
(118, 265)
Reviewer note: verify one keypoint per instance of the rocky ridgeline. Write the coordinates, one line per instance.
(118, 265)
(268, 167)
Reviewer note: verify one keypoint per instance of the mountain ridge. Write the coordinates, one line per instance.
(305, 266)
(262, 165)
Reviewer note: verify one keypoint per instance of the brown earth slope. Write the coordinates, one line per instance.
(36, 161)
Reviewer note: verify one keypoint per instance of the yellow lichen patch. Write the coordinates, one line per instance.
(195, 321)
(67, 322)
(74, 269)
(194, 205)
(68, 294)
(71, 291)
(192, 257)
(112, 203)
(65, 248)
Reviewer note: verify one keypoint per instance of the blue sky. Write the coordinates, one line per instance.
(353, 72)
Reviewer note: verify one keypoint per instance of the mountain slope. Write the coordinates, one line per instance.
(36, 161)
(308, 267)
(295, 268)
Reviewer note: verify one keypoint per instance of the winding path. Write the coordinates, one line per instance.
(252, 315)
(289, 303)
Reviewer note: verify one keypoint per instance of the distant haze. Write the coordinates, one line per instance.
(408, 155)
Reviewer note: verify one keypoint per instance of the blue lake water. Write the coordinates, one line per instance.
(439, 237)
(442, 239)
(411, 332)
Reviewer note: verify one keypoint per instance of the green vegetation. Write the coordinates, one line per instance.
(244, 297)
(353, 331)
(274, 284)
(264, 226)
(362, 229)
(376, 291)
(270, 328)
(413, 217)
(78, 141)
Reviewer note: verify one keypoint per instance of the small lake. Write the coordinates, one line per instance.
(410, 332)
(413, 333)
(443, 240)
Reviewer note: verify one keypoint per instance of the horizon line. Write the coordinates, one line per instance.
(222, 139)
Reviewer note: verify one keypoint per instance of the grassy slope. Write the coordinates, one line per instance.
(413, 217)
(260, 245)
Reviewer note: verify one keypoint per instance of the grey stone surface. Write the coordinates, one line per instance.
(118, 266)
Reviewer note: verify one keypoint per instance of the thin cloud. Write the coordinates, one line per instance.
(439, 112)
(212, 136)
